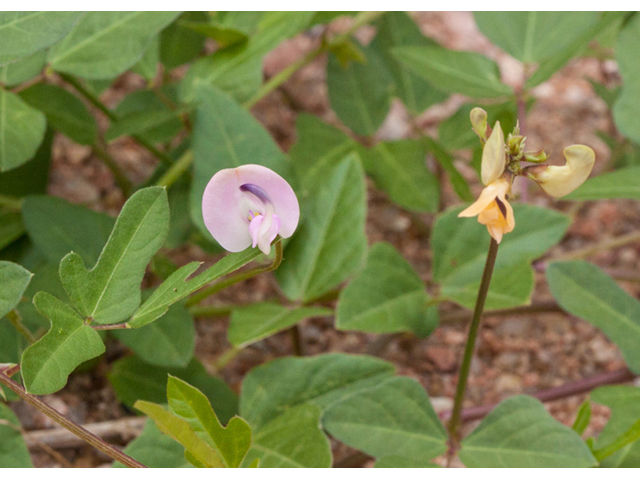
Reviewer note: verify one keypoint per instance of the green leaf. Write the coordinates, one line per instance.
(22, 33)
(177, 287)
(12, 344)
(25, 69)
(397, 29)
(134, 380)
(224, 35)
(585, 291)
(627, 439)
(445, 160)
(13, 282)
(47, 364)
(11, 228)
(623, 183)
(147, 67)
(456, 133)
(520, 433)
(178, 43)
(534, 36)
(146, 105)
(624, 114)
(403, 462)
(110, 291)
(238, 70)
(624, 401)
(387, 296)
(181, 432)
(452, 71)
(64, 112)
(154, 449)
(169, 342)
(260, 320)
(105, 44)
(293, 439)
(227, 136)
(330, 244)
(21, 131)
(188, 403)
(460, 248)
(360, 93)
(143, 121)
(57, 227)
(274, 388)
(32, 177)
(13, 449)
(583, 418)
(319, 148)
(400, 169)
(394, 418)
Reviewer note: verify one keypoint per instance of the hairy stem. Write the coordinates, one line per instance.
(454, 423)
(232, 280)
(73, 427)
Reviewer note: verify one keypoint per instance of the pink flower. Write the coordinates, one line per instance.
(249, 205)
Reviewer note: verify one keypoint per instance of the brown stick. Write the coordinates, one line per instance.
(123, 429)
(556, 393)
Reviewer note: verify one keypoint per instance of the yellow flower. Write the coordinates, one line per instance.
(493, 209)
(559, 181)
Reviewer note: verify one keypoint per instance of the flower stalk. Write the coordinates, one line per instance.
(454, 423)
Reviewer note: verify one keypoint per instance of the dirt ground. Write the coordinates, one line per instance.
(522, 354)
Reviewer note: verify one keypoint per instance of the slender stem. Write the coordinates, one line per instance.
(522, 122)
(176, 170)
(454, 423)
(113, 326)
(224, 359)
(232, 280)
(119, 176)
(15, 319)
(297, 341)
(11, 203)
(209, 311)
(73, 427)
(95, 101)
(632, 237)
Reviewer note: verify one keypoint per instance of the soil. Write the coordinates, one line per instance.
(522, 354)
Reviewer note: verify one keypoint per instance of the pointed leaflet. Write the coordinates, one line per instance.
(21, 130)
(104, 44)
(293, 439)
(110, 291)
(400, 170)
(13, 450)
(190, 404)
(468, 73)
(521, 433)
(58, 227)
(22, 33)
(330, 244)
(177, 287)
(260, 320)
(360, 93)
(274, 388)
(181, 432)
(47, 364)
(394, 418)
(13, 282)
(386, 296)
(227, 136)
(587, 292)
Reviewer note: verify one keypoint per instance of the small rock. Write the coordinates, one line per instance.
(443, 357)
(509, 383)
(441, 404)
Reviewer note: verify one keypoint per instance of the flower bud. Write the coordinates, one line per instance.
(560, 181)
(536, 157)
(493, 156)
(479, 122)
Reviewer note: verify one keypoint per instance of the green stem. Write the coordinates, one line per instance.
(224, 359)
(73, 427)
(176, 170)
(469, 348)
(232, 280)
(16, 321)
(209, 311)
(11, 203)
(119, 176)
(95, 101)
